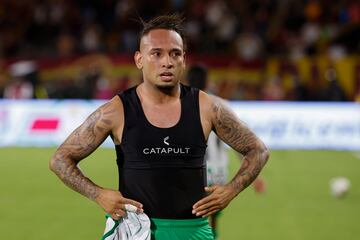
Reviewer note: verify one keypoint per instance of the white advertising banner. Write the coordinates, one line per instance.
(42, 123)
(282, 125)
(294, 125)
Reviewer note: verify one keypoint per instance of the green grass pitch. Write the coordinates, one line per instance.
(297, 204)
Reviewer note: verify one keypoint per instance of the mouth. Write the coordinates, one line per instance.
(166, 76)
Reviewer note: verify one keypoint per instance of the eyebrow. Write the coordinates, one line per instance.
(155, 49)
(161, 49)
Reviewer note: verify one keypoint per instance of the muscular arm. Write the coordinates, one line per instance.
(237, 135)
(218, 116)
(83, 141)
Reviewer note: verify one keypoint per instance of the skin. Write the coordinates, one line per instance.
(238, 136)
(161, 58)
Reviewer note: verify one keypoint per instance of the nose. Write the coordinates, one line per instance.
(167, 62)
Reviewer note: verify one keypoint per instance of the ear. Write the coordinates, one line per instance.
(138, 59)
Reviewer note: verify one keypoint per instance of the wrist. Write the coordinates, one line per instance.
(234, 189)
(98, 196)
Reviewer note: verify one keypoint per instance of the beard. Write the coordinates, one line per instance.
(167, 88)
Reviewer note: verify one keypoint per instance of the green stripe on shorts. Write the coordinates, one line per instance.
(176, 229)
(112, 230)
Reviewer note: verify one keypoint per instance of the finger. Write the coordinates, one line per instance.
(115, 217)
(130, 208)
(129, 205)
(203, 201)
(207, 211)
(132, 202)
(117, 214)
(211, 213)
(205, 206)
(210, 189)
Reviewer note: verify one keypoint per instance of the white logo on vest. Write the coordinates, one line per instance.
(166, 150)
(165, 140)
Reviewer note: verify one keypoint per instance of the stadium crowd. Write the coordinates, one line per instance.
(252, 31)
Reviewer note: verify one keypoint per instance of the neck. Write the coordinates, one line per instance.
(158, 94)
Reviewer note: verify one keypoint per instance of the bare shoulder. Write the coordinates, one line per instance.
(231, 129)
(205, 100)
(210, 105)
(104, 121)
(110, 119)
(113, 116)
(113, 109)
(109, 114)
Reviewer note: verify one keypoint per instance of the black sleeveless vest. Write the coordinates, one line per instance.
(162, 168)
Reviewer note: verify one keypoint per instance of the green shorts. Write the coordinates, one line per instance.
(187, 229)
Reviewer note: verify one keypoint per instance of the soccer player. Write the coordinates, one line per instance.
(216, 153)
(159, 129)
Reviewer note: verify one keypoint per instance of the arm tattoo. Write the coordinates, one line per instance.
(72, 176)
(83, 141)
(235, 133)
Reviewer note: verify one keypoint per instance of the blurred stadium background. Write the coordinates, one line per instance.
(294, 65)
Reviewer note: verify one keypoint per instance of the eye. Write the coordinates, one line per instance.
(156, 54)
(176, 54)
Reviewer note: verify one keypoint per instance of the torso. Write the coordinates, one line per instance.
(163, 116)
(161, 164)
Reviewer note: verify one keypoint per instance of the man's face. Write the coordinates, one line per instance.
(161, 58)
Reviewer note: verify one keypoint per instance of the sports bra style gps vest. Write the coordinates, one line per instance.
(162, 168)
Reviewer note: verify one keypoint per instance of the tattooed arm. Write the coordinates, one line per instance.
(82, 142)
(238, 136)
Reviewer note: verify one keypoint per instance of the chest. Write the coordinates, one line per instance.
(163, 115)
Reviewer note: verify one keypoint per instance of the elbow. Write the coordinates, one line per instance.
(265, 153)
(56, 161)
(52, 164)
